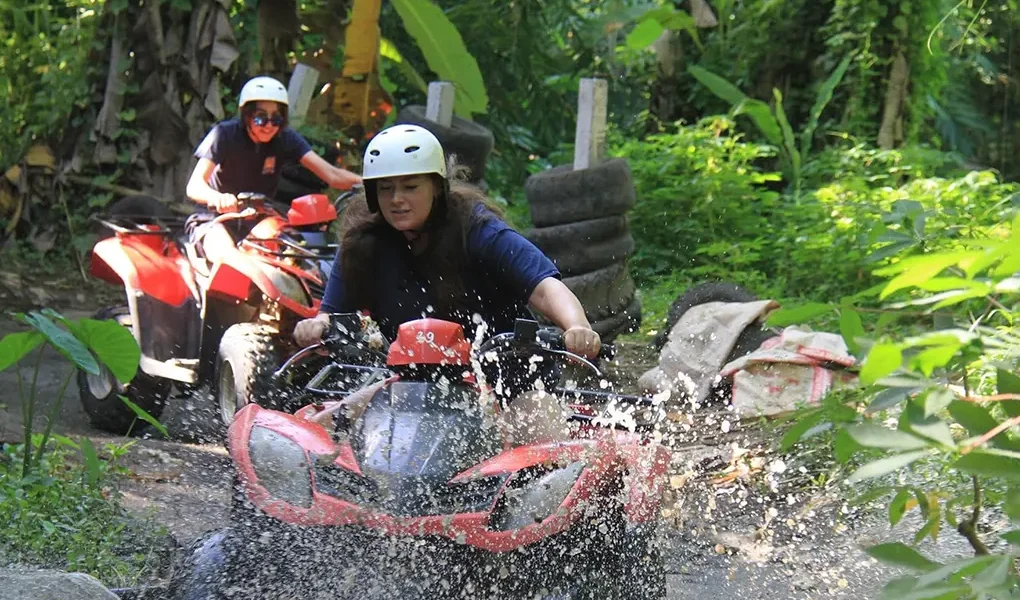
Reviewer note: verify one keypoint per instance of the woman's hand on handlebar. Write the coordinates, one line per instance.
(583, 341)
(310, 331)
(226, 203)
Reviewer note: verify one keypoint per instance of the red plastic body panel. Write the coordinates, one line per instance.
(311, 209)
(606, 455)
(146, 263)
(429, 342)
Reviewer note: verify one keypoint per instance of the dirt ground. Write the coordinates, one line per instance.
(740, 522)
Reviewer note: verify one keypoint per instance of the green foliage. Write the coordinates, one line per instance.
(444, 50)
(950, 393)
(772, 122)
(89, 345)
(44, 70)
(67, 514)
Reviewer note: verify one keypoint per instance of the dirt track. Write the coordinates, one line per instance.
(720, 539)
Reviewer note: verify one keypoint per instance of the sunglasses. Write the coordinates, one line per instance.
(262, 119)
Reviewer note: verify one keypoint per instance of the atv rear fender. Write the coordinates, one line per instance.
(160, 294)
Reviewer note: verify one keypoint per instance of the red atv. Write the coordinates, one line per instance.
(223, 325)
(424, 497)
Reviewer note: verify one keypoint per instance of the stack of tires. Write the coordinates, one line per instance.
(470, 142)
(581, 224)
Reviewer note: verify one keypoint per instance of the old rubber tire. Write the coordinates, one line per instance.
(588, 257)
(603, 292)
(568, 235)
(100, 394)
(624, 321)
(717, 291)
(563, 195)
(247, 356)
(469, 141)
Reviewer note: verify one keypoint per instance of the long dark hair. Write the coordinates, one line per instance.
(443, 261)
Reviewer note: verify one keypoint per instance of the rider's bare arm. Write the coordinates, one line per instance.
(200, 191)
(558, 304)
(335, 177)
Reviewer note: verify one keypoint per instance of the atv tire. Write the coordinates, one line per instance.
(100, 394)
(717, 291)
(247, 356)
(140, 206)
(470, 142)
(563, 195)
(604, 292)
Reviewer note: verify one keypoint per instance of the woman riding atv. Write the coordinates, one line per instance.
(421, 242)
(248, 154)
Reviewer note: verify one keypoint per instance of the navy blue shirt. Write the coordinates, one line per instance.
(244, 166)
(503, 269)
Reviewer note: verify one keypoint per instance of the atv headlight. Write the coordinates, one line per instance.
(534, 495)
(281, 466)
(288, 285)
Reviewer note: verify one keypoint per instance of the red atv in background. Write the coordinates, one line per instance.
(224, 325)
(423, 495)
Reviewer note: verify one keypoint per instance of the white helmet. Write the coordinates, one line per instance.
(262, 88)
(403, 150)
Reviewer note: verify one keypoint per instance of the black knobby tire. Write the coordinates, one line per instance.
(716, 291)
(625, 321)
(250, 352)
(563, 195)
(603, 292)
(140, 206)
(104, 408)
(469, 141)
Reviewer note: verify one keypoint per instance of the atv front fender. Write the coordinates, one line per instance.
(234, 280)
(137, 265)
(646, 465)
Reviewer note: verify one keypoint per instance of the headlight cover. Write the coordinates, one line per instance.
(535, 499)
(281, 466)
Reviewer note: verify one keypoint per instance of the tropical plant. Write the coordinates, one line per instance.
(90, 345)
(772, 121)
(953, 398)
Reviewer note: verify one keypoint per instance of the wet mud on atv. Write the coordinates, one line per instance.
(212, 330)
(422, 495)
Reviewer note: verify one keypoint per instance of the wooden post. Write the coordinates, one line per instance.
(439, 108)
(299, 92)
(590, 140)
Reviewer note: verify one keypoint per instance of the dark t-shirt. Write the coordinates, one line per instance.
(244, 166)
(503, 269)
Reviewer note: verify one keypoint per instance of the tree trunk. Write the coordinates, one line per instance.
(891, 131)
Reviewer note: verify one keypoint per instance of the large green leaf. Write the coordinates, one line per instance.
(851, 327)
(896, 553)
(644, 34)
(717, 85)
(876, 436)
(1008, 383)
(798, 314)
(886, 465)
(916, 270)
(882, 360)
(63, 341)
(15, 346)
(114, 344)
(990, 464)
(762, 116)
(821, 101)
(389, 51)
(445, 53)
(978, 421)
